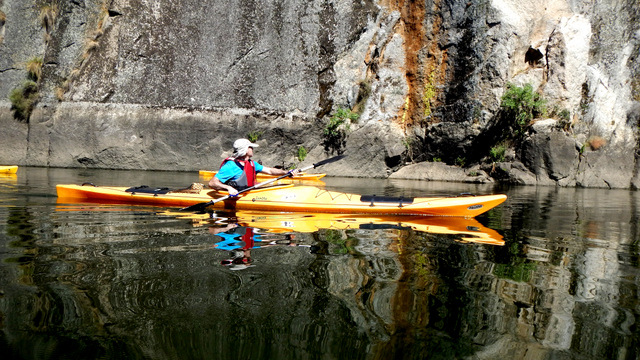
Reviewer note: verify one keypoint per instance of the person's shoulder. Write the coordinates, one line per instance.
(228, 163)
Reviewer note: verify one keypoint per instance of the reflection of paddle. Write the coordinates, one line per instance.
(202, 206)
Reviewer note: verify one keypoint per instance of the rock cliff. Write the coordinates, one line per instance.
(133, 84)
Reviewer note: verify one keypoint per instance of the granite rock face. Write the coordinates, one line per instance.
(169, 85)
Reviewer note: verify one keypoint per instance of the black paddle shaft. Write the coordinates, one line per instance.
(201, 206)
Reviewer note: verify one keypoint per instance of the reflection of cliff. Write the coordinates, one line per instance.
(570, 298)
(366, 281)
(542, 295)
(404, 288)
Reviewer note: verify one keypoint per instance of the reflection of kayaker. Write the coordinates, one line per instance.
(240, 240)
(237, 237)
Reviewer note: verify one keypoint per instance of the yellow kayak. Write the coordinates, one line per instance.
(465, 229)
(261, 177)
(287, 198)
(8, 169)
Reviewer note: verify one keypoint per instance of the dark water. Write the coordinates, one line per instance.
(90, 281)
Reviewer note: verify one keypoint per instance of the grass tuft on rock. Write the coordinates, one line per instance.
(34, 68)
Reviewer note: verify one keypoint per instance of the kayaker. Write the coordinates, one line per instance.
(239, 171)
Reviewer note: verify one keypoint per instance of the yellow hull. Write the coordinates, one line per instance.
(8, 169)
(289, 198)
(262, 177)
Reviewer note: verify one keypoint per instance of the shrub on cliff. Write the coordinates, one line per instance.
(335, 132)
(23, 99)
(523, 105)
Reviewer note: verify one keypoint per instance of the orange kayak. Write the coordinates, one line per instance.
(261, 177)
(8, 169)
(288, 198)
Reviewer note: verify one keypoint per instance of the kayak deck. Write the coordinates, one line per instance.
(291, 198)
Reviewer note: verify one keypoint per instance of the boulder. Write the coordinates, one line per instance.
(608, 167)
(552, 156)
(513, 173)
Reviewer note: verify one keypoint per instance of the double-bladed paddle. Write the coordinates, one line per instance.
(203, 205)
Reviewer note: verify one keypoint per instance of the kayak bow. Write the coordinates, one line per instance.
(12, 169)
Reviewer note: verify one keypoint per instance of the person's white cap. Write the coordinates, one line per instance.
(241, 146)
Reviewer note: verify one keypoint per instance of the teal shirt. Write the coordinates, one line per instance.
(231, 171)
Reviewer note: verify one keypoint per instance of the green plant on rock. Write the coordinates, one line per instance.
(23, 100)
(410, 143)
(461, 161)
(564, 115)
(335, 132)
(523, 104)
(340, 121)
(498, 152)
(302, 153)
(254, 136)
(565, 119)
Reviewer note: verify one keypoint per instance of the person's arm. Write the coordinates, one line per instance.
(216, 184)
(274, 171)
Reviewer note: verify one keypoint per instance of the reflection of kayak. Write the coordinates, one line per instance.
(290, 198)
(464, 228)
(261, 177)
(8, 176)
(8, 169)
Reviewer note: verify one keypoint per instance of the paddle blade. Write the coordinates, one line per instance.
(197, 207)
(330, 160)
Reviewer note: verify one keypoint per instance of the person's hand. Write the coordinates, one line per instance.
(293, 172)
(232, 191)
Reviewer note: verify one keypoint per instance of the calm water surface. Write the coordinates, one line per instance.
(550, 274)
